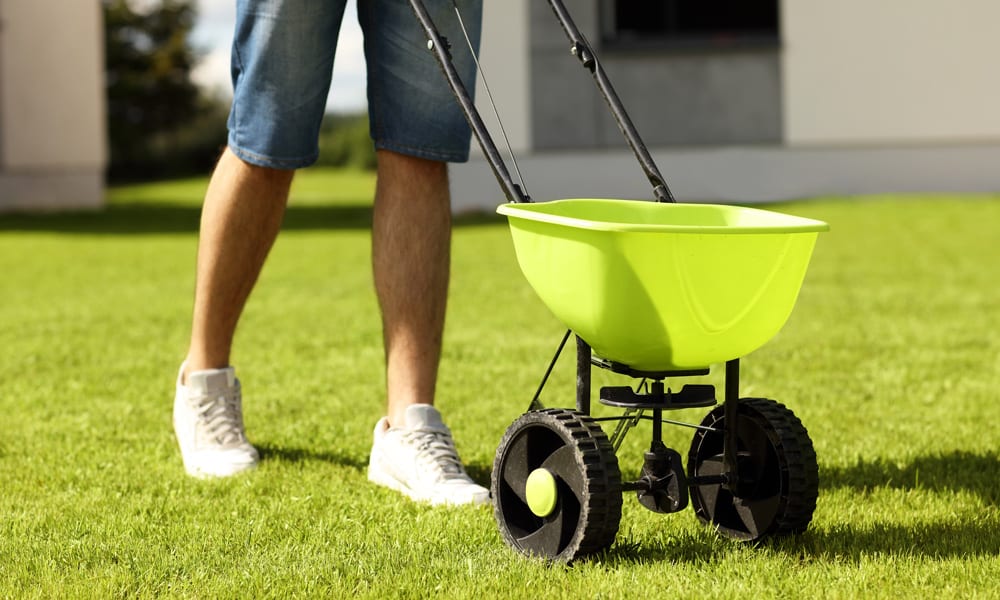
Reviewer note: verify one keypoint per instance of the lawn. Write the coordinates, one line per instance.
(891, 359)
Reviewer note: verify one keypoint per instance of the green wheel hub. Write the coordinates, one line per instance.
(540, 491)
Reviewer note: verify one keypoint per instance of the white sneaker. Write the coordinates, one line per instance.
(208, 422)
(420, 460)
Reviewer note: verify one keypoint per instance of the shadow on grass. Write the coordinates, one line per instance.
(948, 472)
(479, 473)
(937, 540)
(842, 542)
(952, 471)
(147, 218)
(302, 455)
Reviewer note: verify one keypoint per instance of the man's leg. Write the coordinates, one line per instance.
(413, 451)
(411, 240)
(240, 219)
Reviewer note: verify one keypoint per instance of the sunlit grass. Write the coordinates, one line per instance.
(891, 359)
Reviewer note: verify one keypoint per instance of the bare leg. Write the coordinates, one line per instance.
(411, 240)
(241, 217)
(412, 450)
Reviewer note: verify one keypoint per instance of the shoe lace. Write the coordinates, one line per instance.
(220, 415)
(436, 454)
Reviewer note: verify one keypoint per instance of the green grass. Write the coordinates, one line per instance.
(891, 359)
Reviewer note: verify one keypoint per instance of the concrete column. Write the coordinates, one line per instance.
(53, 147)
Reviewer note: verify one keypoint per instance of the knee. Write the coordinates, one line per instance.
(390, 163)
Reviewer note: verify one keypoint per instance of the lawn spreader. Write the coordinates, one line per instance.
(650, 290)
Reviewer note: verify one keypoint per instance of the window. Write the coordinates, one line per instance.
(694, 23)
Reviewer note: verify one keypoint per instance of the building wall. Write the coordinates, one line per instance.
(52, 113)
(674, 97)
(861, 98)
(891, 71)
(504, 57)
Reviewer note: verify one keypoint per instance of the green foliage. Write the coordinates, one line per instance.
(159, 123)
(891, 360)
(345, 142)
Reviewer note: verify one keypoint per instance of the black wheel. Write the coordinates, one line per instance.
(779, 479)
(556, 485)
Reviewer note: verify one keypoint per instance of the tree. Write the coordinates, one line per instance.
(152, 101)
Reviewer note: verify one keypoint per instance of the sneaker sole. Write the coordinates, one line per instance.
(435, 500)
(207, 474)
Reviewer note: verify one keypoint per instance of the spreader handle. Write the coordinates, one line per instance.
(582, 50)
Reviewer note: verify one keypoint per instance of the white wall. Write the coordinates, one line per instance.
(890, 71)
(52, 111)
(504, 56)
(878, 96)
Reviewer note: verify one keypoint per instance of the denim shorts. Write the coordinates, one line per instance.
(282, 63)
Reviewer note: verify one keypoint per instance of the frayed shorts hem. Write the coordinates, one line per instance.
(425, 153)
(284, 164)
(291, 164)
